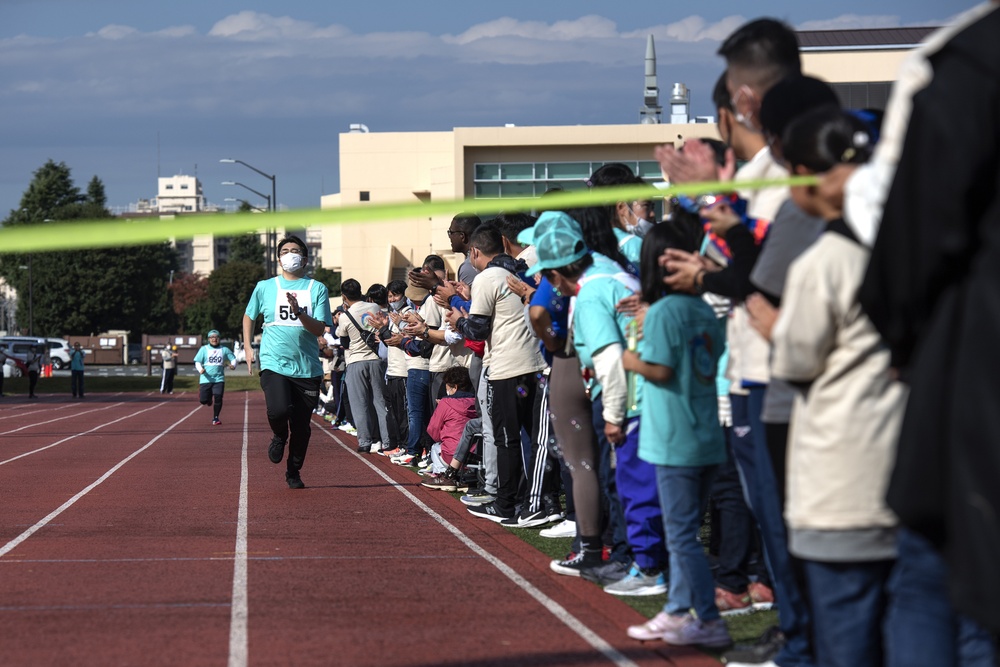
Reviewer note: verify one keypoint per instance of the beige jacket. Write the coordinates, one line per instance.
(845, 421)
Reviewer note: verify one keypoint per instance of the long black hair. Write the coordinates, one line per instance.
(596, 223)
(662, 236)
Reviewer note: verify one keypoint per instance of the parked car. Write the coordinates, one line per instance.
(56, 349)
(134, 353)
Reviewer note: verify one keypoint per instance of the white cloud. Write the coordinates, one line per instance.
(692, 29)
(586, 27)
(115, 31)
(250, 25)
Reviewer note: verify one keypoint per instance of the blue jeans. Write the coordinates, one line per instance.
(418, 386)
(683, 497)
(754, 464)
(848, 606)
(922, 628)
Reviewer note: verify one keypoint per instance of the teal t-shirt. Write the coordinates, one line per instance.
(214, 360)
(286, 347)
(630, 245)
(596, 321)
(680, 426)
(76, 360)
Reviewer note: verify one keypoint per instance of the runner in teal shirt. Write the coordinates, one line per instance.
(296, 311)
(211, 361)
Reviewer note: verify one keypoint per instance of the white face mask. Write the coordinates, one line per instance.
(292, 262)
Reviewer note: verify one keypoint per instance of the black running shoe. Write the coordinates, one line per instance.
(294, 481)
(277, 450)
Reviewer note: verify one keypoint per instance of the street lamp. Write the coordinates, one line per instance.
(247, 187)
(272, 240)
(244, 201)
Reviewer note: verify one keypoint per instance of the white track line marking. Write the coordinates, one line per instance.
(556, 609)
(59, 419)
(7, 548)
(238, 638)
(77, 435)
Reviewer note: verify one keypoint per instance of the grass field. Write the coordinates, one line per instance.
(235, 381)
(744, 628)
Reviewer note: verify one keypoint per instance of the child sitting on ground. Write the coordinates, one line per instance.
(448, 422)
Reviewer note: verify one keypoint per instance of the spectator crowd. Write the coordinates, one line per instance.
(772, 358)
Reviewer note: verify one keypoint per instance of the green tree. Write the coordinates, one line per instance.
(246, 248)
(190, 303)
(329, 278)
(229, 290)
(95, 193)
(85, 291)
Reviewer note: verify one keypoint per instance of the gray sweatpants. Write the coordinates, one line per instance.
(366, 390)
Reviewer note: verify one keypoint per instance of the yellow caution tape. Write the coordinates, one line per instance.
(124, 231)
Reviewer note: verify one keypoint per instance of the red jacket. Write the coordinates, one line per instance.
(449, 419)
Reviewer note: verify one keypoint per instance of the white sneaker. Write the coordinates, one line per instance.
(375, 448)
(564, 528)
(654, 628)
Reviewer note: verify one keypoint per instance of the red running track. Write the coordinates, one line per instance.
(133, 532)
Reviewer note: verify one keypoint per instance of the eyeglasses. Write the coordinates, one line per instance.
(452, 232)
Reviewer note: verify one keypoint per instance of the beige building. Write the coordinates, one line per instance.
(468, 162)
(498, 162)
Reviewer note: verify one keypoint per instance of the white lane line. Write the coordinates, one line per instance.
(77, 435)
(238, 638)
(10, 546)
(59, 419)
(556, 609)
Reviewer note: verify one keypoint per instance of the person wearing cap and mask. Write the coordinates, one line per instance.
(210, 362)
(296, 310)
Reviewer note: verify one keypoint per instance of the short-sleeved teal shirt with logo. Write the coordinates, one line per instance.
(596, 320)
(680, 425)
(630, 245)
(286, 347)
(213, 359)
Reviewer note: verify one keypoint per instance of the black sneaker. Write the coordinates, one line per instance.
(573, 564)
(276, 451)
(606, 573)
(553, 512)
(760, 652)
(490, 511)
(532, 519)
(294, 481)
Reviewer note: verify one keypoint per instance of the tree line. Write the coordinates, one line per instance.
(139, 288)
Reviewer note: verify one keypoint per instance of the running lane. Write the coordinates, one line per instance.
(160, 539)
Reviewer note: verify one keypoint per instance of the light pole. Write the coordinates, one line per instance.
(247, 187)
(31, 300)
(272, 203)
(244, 201)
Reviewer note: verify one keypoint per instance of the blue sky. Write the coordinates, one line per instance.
(126, 90)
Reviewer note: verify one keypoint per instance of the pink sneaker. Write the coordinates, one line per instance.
(659, 624)
(713, 634)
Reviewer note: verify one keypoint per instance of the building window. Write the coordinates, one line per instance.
(184, 186)
(169, 187)
(366, 195)
(869, 95)
(525, 179)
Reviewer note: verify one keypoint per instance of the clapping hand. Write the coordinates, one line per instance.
(454, 315)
